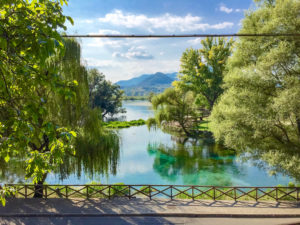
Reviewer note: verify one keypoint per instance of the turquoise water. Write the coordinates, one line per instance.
(155, 157)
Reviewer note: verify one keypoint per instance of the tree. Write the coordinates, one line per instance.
(197, 89)
(260, 109)
(28, 45)
(175, 109)
(202, 70)
(104, 95)
(44, 92)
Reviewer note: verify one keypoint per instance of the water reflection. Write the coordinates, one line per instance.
(12, 172)
(196, 161)
(93, 158)
(156, 157)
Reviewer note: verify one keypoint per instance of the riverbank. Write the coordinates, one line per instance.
(124, 124)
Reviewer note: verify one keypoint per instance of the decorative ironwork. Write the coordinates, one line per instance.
(193, 192)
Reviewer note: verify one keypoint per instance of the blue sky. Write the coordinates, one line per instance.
(121, 59)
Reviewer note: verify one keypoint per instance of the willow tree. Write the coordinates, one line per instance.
(194, 94)
(43, 88)
(174, 109)
(202, 70)
(260, 109)
(97, 149)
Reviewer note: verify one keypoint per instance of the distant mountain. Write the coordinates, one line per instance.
(146, 83)
(156, 79)
(133, 81)
(173, 75)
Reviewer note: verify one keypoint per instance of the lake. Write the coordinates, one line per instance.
(155, 157)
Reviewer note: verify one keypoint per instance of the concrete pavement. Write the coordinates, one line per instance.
(142, 211)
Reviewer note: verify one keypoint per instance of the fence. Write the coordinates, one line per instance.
(193, 192)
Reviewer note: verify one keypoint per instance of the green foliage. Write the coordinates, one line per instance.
(135, 98)
(44, 92)
(175, 109)
(104, 95)
(260, 109)
(94, 156)
(204, 125)
(183, 108)
(6, 192)
(146, 190)
(29, 82)
(124, 124)
(202, 70)
(119, 190)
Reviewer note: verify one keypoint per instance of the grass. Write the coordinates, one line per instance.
(136, 98)
(124, 124)
(204, 125)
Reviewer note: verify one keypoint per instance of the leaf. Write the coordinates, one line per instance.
(3, 201)
(70, 20)
(52, 147)
(73, 133)
(6, 158)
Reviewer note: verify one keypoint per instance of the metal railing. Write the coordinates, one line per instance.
(192, 192)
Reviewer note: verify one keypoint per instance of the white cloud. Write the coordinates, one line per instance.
(138, 52)
(196, 41)
(223, 8)
(107, 31)
(115, 43)
(110, 43)
(222, 25)
(106, 42)
(166, 22)
(88, 21)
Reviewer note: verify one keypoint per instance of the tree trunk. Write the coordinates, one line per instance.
(185, 130)
(39, 187)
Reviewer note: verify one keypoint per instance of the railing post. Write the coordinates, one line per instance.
(297, 194)
(129, 192)
(108, 191)
(214, 191)
(66, 187)
(150, 194)
(256, 194)
(234, 194)
(25, 186)
(193, 195)
(276, 189)
(87, 191)
(46, 195)
(171, 192)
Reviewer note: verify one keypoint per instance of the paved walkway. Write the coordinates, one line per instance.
(141, 211)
